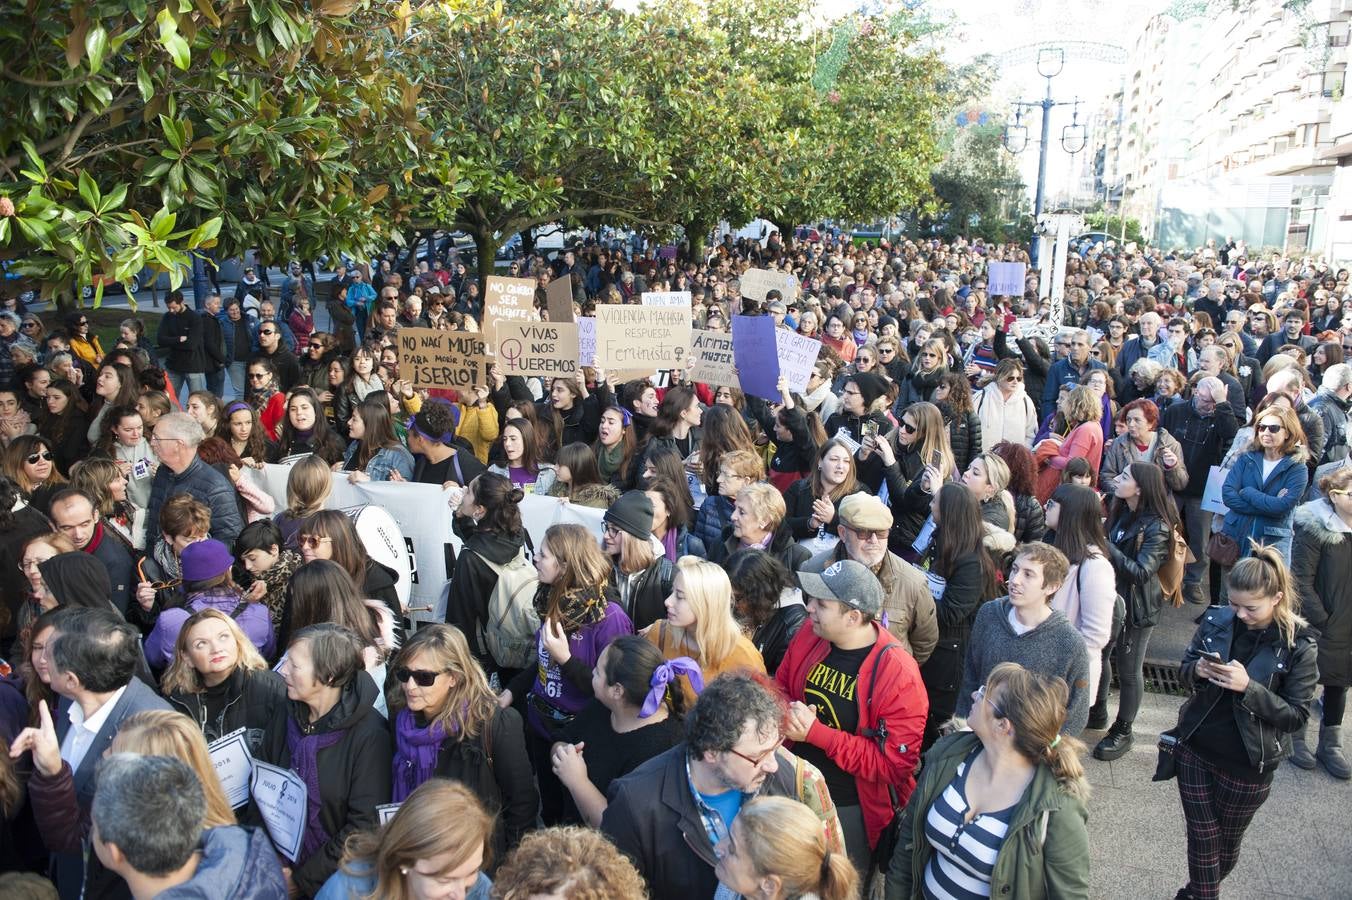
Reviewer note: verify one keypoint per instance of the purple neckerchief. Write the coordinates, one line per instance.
(304, 749)
(669, 544)
(415, 753)
(664, 675)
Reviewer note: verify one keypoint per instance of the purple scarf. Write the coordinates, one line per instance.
(415, 753)
(304, 749)
(669, 544)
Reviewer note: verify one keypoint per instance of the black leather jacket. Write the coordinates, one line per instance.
(1277, 701)
(772, 638)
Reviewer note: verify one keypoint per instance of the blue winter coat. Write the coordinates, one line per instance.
(1261, 510)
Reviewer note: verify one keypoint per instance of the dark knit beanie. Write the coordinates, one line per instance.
(632, 514)
(870, 386)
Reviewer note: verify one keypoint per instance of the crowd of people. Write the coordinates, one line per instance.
(860, 636)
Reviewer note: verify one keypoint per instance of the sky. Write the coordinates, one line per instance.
(999, 26)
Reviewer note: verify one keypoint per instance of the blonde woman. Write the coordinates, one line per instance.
(1013, 787)
(308, 486)
(219, 680)
(1081, 409)
(420, 853)
(700, 624)
(447, 724)
(758, 523)
(159, 732)
(776, 850)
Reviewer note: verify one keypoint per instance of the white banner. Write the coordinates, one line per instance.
(408, 527)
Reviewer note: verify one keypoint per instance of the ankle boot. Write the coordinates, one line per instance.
(1301, 757)
(1115, 743)
(1330, 752)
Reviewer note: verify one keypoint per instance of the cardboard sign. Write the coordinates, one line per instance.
(538, 349)
(763, 353)
(432, 358)
(797, 356)
(281, 796)
(674, 299)
(1006, 279)
(714, 363)
(507, 300)
(756, 283)
(648, 337)
(559, 296)
(234, 766)
(586, 341)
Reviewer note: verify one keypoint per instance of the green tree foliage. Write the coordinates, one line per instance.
(977, 184)
(134, 134)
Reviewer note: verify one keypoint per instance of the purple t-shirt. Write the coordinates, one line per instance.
(254, 620)
(551, 685)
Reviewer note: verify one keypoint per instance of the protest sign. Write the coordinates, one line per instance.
(763, 353)
(432, 358)
(559, 296)
(756, 283)
(586, 341)
(757, 355)
(672, 299)
(507, 300)
(1212, 501)
(234, 766)
(543, 349)
(280, 795)
(1006, 279)
(713, 355)
(797, 356)
(647, 337)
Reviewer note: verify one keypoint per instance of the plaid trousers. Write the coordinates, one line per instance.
(1217, 809)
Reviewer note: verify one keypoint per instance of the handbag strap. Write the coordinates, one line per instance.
(879, 734)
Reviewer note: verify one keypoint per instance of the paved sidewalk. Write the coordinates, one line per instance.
(1299, 845)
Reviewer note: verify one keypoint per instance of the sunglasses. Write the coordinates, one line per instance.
(258, 376)
(420, 677)
(155, 585)
(908, 428)
(267, 333)
(33, 458)
(1013, 379)
(310, 540)
(1270, 429)
(878, 534)
(29, 325)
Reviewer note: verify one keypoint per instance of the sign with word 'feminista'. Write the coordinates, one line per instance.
(432, 358)
(642, 337)
(543, 349)
(507, 300)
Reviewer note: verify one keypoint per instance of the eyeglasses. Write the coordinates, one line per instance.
(28, 325)
(1270, 428)
(310, 540)
(908, 428)
(981, 695)
(266, 333)
(864, 534)
(420, 677)
(33, 458)
(611, 530)
(755, 761)
(156, 439)
(155, 585)
(887, 350)
(1013, 379)
(258, 376)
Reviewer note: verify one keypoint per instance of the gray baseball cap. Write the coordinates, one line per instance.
(847, 581)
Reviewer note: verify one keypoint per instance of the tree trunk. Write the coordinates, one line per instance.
(695, 233)
(483, 242)
(527, 242)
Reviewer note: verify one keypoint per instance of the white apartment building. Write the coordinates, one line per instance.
(1227, 119)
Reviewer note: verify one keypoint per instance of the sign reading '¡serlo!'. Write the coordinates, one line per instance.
(432, 358)
(543, 349)
(642, 337)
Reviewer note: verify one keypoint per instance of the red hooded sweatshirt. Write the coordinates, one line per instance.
(898, 699)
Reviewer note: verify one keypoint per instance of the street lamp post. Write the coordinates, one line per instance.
(1050, 62)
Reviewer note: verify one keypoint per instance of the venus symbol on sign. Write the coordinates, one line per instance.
(511, 351)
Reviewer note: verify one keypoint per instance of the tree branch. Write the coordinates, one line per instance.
(512, 226)
(40, 83)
